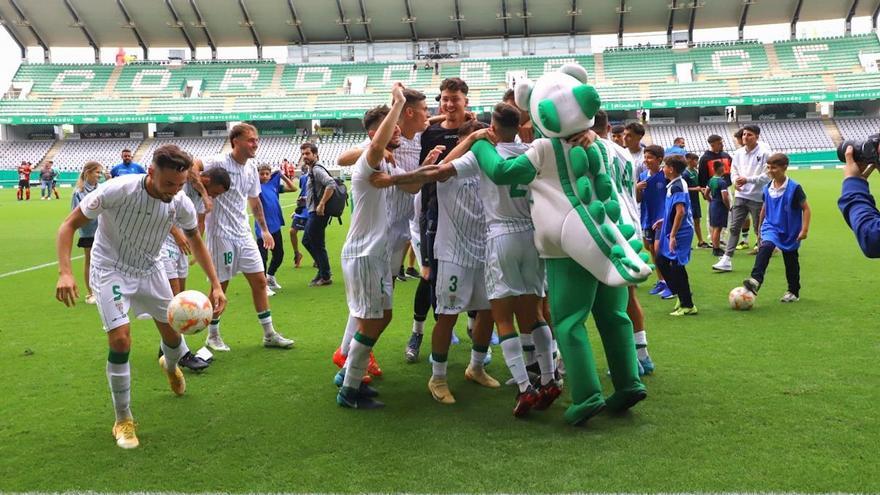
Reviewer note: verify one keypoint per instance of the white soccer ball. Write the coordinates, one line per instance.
(741, 299)
(190, 312)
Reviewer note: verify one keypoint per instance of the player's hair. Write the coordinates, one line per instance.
(126, 150)
(218, 176)
(636, 128)
(714, 138)
(717, 166)
(311, 146)
(412, 96)
(508, 96)
(374, 117)
(676, 162)
(238, 130)
(454, 84)
(691, 156)
(264, 166)
(471, 126)
(778, 159)
(618, 129)
(738, 134)
(676, 139)
(600, 122)
(88, 168)
(171, 157)
(656, 150)
(506, 116)
(754, 129)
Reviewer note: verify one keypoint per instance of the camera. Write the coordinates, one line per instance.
(863, 151)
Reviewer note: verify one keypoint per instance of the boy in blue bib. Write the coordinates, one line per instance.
(676, 234)
(786, 221)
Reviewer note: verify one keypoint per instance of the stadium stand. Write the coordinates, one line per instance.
(792, 136)
(14, 152)
(74, 153)
(858, 127)
(198, 147)
(694, 135)
(837, 54)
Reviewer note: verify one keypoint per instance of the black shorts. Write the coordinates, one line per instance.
(24, 183)
(85, 242)
(649, 235)
(696, 208)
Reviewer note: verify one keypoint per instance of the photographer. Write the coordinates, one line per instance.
(856, 202)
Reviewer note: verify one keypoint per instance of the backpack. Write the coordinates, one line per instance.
(335, 206)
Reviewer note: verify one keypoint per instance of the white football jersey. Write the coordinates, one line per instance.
(368, 232)
(461, 223)
(506, 207)
(133, 225)
(199, 206)
(229, 219)
(400, 202)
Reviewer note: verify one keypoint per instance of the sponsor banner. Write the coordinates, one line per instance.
(105, 134)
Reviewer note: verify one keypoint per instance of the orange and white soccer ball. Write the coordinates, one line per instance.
(741, 299)
(190, 312)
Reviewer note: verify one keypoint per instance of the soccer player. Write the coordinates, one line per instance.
(127, 166)
(621, 157)
(136, 213)
(632, 138)
(514, 277)
(176, 248)
(650, 191)
(676, 233)
(365, 255)
(232, 247)
(24, 181)
(86, 183)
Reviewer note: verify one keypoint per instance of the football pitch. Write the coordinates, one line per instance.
(780, 398)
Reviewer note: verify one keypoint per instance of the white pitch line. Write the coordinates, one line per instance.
(53, 263)
(37, 267)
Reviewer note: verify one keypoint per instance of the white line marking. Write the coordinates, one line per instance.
(37, 267)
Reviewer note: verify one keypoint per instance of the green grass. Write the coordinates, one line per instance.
(777, 399)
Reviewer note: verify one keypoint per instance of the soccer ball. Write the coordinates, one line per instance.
(741, 299)
(190, 312)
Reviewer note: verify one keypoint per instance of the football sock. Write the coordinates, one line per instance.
(528, 348)
(214, 328)
(641, 339)
(418, 327)
(438, 366)
(266, 322)
(173, 354)
(350, 330)
(511, 347)
(119, 378)
(358, 358)
(478, 354)
(422, 300)
(543, 339)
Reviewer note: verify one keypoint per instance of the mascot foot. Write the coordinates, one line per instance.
(578, 414)
(622, 400)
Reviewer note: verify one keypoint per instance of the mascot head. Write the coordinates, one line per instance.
(561, 103)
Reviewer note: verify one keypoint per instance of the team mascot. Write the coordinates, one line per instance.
(585, 232)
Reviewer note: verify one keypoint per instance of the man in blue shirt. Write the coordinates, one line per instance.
(127, 166)
(858, 207)
(677, 147)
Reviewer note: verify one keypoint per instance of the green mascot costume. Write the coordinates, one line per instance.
(584, 230)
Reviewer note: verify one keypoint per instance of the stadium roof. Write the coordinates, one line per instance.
(222, 23)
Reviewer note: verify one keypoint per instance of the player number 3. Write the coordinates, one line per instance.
(453, 283)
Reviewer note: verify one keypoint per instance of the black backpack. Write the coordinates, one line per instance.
(335, 206)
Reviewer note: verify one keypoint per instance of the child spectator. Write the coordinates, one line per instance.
(719, 206)
(650, 192)
(270, 187)
(691, 177)
(86, 183)
(676, 234)
(785, 223)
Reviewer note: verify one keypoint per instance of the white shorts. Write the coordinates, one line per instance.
(368, 286)
(116, 293)
(513, 267)
(398, 241)
(175, 262)
(231, 256)
(460, 288)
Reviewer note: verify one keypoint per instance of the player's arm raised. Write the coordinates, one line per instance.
(200, 252)
(411, 182)
(383, 134)
(260, 217)
(65, 289)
